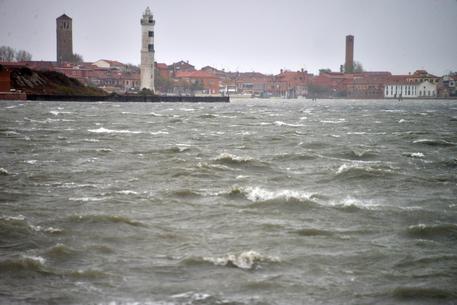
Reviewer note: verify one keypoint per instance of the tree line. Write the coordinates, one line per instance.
(10, 54)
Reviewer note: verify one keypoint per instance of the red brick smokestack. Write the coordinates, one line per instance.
(349, 64)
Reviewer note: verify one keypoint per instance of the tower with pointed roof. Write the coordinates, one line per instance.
(147, 51)
(64, 29)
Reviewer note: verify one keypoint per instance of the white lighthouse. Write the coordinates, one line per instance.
(147, 50)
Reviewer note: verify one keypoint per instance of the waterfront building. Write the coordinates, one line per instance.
(147, 51)
(64, 29)
(407, 89)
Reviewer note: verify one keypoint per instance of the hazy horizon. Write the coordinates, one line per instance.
(398, 36)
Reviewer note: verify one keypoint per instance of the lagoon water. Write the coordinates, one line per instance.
(252, 202)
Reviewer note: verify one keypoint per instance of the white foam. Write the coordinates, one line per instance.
(86, 199)
(3, 172)
(244, 260)
(280, 123)
(339, 121)
(256, 194)
(38, 259)
(223, 156)
(417, 155)
(402, 121)
(127, 192)
(353, 202)
(104, 130)
(31, 161)
(158, 132)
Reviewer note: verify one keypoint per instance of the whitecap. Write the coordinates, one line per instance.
(415, 155)
(87, 199)
(127, 192)
(104, 130)
(154, 133)
(3, 172)
(353, 202)
(231, 157)
(280, 123)
(245, 260)
(38, 259)
(31, 161)
(339, 121)
(402, 121)
(256, 194)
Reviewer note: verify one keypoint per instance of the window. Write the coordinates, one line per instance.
(151, 33)
(150, 47)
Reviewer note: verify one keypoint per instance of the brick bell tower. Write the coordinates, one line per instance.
(64, 39)
(147, 51)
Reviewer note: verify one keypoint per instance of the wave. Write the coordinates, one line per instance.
(294, 157)
(60, 251)
(417, 155)
(434, 142)
(23, 264)
(233, 159)
(56, 113)
(261, 197)
(364, 170)
(87, 199)
(90, 274)
(339, 121)
(358, 154)
(105, 219)
(421, 293)
(309, 232)
(433, 231)
(3, 172)
(104, 130)
(426, 261)
(353, 204)
(280, 123)
(248, 260)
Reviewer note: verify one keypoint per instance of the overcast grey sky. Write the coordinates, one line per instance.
(246, 35)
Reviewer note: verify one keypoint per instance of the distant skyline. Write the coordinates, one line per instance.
(399, 36)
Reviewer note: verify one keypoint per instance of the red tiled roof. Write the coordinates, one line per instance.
(194, 74)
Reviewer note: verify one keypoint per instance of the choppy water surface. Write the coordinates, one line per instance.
(253, 202)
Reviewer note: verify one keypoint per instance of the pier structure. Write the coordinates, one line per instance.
(147, 51)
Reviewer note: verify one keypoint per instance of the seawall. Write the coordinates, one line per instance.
(130, 98)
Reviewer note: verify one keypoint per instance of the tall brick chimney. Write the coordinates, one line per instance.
(349, 64)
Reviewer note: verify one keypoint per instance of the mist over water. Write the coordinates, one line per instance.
(252, 202)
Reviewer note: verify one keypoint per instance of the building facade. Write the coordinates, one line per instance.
(410, 90)
(64, 28)
(147, 51)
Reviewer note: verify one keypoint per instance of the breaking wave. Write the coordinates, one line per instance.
(434, 142)
(3, 172)
(248, 260)
(105, 219)
(363, 170)
(23, 264)
(433, 231)
(104, 130)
